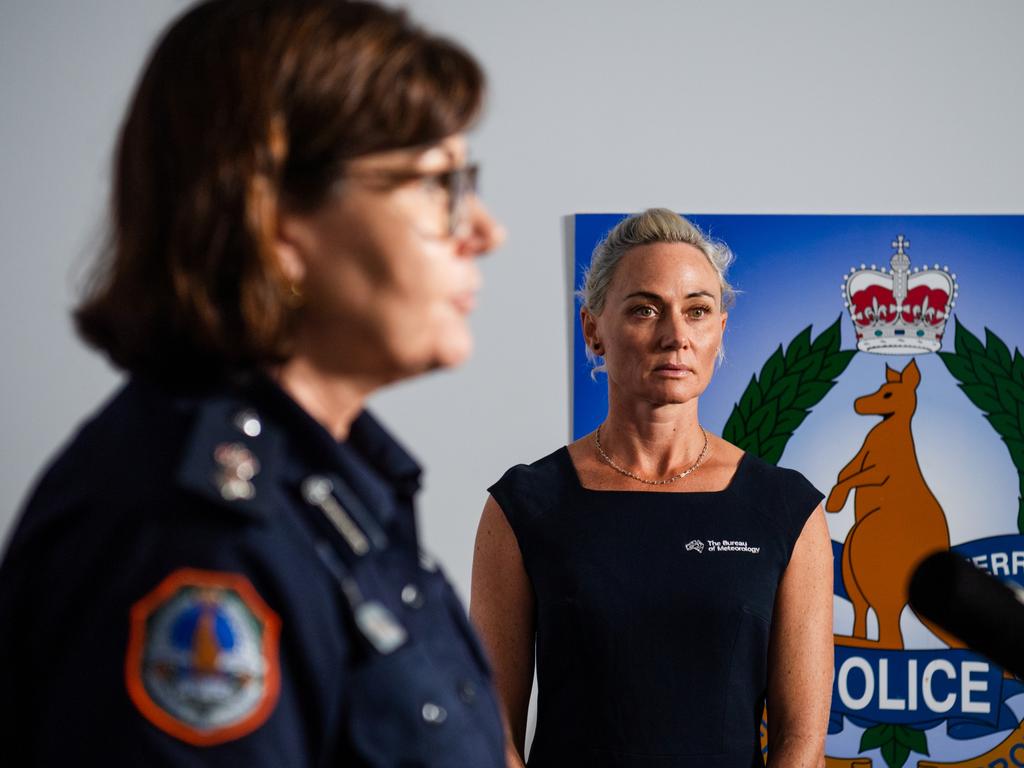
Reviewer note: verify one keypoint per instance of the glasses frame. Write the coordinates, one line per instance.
(459, 183)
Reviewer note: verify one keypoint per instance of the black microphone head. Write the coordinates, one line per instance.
(933, 582)
(977, 608)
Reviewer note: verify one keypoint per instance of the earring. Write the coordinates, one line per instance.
(294, 298)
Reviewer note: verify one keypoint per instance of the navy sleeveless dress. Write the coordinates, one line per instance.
(652, 612)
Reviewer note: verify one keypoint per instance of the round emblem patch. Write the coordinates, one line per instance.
(202, 662)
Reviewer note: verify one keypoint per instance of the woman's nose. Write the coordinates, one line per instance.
(673, 331)
(480, 232)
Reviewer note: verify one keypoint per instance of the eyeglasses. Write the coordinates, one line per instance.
(457, 184)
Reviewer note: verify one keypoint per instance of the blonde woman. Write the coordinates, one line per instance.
(663, 582)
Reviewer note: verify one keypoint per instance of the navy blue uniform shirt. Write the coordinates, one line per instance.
(212, 580)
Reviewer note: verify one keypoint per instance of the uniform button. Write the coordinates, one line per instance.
(467, 691)
(316, 490)
(412, 596)
(433, 713)
(249, 422)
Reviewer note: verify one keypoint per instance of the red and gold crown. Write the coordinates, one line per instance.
(899, 311)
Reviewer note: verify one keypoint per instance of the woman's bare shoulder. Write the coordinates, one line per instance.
(723, 453)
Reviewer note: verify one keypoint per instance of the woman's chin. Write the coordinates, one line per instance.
(451, 350)
(674, 393)
(455, 348)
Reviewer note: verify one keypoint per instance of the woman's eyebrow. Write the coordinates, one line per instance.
(644, 295)
(655, 297)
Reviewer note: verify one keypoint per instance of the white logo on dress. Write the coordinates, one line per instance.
(725, 545)
(696, 544)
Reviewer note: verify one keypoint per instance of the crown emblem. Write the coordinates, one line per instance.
(899, 311)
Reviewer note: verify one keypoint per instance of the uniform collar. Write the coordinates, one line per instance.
(376, 465)
(387, 455)
(289, 443)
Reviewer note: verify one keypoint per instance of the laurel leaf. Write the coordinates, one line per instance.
(751, 399)
(799, 347)
(828, 340)
(809, 365)
(772, 448)
(784, 390)
(836, 363)
(997, 351)
(988, 372)
(1011, 396)
(911, 738)
(966, 343)
(789, 420)
(983, 397)
(960, 367)
(772, 369)
(895, 754)
(1018, 366)
(756, 420)
(733, 425)
(875, 736)
(811, 393)
(1016, 448)
(767, 428)
(1003, 423)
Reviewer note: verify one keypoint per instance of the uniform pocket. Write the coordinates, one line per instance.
(401, 714)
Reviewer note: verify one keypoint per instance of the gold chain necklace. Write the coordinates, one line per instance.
(627, 473)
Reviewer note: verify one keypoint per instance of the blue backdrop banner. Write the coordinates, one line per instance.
(830, 309)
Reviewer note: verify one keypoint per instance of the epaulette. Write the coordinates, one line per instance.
(231, 456)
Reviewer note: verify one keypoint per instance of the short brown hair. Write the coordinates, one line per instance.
(246, 105)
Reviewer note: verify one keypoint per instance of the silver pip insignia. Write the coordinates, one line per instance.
(237, 468)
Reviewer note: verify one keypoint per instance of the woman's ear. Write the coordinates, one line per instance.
(293, 241)
(589, 325)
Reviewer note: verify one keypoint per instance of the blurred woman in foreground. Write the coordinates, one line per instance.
(222, 568)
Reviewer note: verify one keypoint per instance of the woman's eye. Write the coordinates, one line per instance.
(644, 311)
(698, 312)
(433, 184)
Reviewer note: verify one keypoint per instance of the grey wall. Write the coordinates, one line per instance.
(816, 107)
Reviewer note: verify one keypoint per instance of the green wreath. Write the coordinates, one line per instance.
(791, 383)
(993, 380)
(797, 378)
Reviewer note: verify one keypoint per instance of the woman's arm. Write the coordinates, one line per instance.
(501, 607)
(800, 661)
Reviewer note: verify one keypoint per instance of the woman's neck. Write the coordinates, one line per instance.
(334, 400)
(652, 440)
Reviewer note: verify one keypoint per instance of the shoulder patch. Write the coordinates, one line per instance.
(202, 662)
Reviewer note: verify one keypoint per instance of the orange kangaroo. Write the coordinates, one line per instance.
(898, 520)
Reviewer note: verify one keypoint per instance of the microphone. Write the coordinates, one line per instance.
(982, 611)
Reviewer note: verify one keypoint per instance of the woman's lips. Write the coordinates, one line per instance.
(673, 371)
(465, 302)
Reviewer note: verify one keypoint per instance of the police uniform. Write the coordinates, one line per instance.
(213, 580)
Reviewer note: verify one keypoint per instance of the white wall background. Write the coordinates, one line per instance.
(875, 106)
